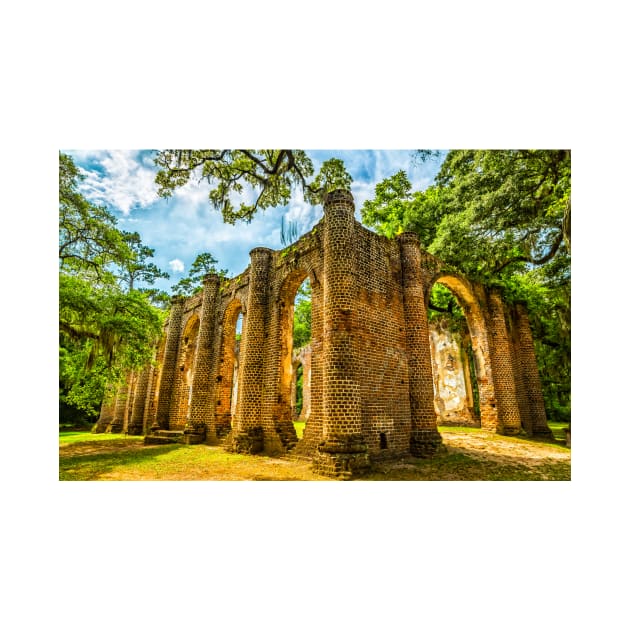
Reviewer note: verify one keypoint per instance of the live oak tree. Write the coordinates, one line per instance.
(105, 326)
(88, 239)
(487, 211)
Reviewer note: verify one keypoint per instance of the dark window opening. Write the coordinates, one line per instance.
(383, 440)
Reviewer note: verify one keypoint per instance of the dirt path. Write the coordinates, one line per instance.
(504, 450)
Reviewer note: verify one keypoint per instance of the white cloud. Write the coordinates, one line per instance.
(122, 180)
(176, 265)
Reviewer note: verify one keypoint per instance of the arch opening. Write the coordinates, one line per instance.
(186, 366)
(229, 364)
(296, 352)
(456, 355)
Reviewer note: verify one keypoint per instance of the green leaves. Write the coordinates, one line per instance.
(203, 264)
(134, 266)
(271, 173)
(332, 176)
(102, 333)
(302, 316)
(104, 328)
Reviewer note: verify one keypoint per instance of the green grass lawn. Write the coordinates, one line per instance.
(70, 437)
(87, 456)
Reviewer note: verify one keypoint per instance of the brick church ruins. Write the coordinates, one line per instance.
(371, 389)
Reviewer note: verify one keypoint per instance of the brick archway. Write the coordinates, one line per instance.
(227, 388)
(287, 292)
(184, 374)
(465, 294)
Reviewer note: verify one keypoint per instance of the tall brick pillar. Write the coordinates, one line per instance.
(531, 376)
(108, 409)
(122, 404)
(425, 439)
(201, 413)
(152, 398)
(344, 450)
(502, 367)
(170, 361)
(247, 434)
(135, 426)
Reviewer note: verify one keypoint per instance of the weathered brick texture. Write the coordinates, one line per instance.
(343, 449)
(108, 409)
(371, 382)
(170, 362)
(505, 382)
(530, 376)
(247, 430)
(123, 399)
(425, 438)
(136, 421)
(203, 385)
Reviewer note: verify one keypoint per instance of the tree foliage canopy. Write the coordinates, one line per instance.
(88, 238)
(135, 267)
(203, 264)
(106, 325)
(273, 174)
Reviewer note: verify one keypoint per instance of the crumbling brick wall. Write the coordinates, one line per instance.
(371, 382)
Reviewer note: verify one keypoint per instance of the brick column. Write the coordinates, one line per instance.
(531, 376)
(170, 361)
(502, 368)
(344, 450)
(139, 402)
(425, 439)
(247, 434)
(120, 412)
(201, 413)
(108, 409)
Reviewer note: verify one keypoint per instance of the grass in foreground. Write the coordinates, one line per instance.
(126, 458)
(471, 455)
(71, 437)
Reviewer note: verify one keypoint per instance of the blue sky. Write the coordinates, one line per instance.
(185, 225)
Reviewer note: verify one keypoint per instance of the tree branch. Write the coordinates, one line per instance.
(534, 261)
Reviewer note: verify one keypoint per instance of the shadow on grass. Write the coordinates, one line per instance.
(476, 456)
(460, 467)
(96, 463)
(461, 463)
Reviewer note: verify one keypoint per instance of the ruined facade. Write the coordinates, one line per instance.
(371, 378)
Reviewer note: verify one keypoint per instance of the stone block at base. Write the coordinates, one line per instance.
(194, 438)
(250, 441)
(425, 443)
(343, 457)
